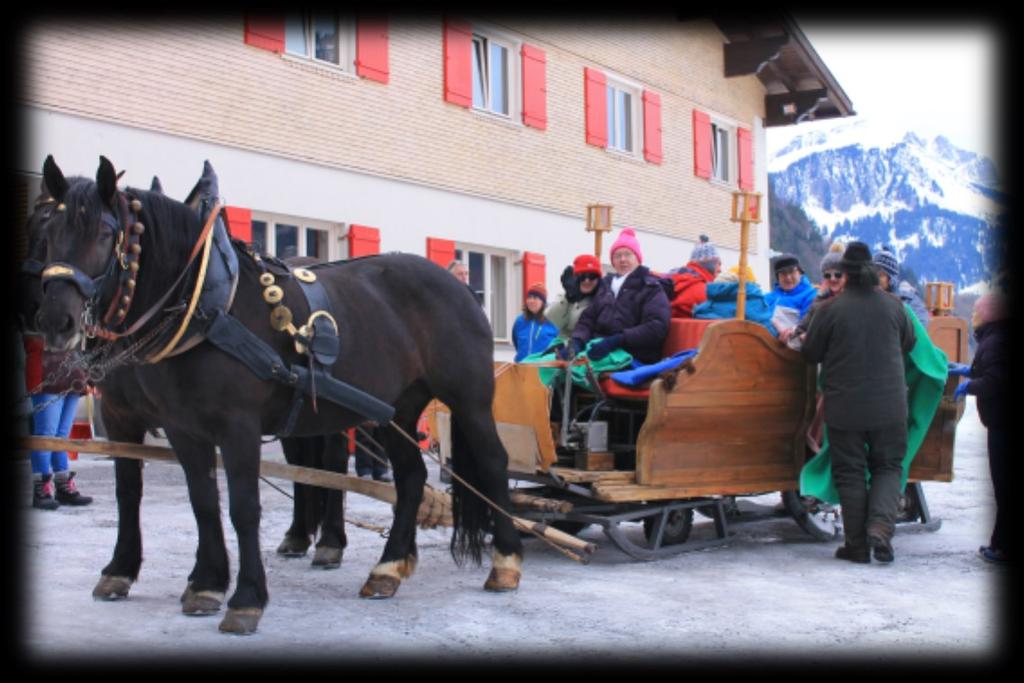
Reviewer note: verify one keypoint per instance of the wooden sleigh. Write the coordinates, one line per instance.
(732, 423)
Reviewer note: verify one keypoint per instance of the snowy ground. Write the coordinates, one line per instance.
(771, 594)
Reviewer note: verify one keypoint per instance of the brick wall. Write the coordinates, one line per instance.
(197, 78)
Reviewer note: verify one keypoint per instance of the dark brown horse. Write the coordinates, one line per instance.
(408, 333)
(128, 415)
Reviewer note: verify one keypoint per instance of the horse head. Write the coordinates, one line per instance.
(82, 237)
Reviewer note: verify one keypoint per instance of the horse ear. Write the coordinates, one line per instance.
(106, 181)
(206, 183)
(53, 179)
(155, 186)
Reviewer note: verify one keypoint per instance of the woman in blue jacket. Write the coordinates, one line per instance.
(532, 332)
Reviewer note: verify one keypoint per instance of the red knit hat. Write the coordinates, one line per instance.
(586, 263)
(627, 240)
(539, 289)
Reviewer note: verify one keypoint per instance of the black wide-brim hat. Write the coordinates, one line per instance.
(857, 255)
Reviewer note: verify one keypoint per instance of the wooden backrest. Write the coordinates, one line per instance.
(684, 333)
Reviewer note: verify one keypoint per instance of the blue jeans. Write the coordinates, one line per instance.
(53, 420)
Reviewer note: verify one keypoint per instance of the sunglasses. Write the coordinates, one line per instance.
(832, 276)
(589, 276)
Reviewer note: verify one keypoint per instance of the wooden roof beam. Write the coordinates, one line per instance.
(790, 108)
(750, 56)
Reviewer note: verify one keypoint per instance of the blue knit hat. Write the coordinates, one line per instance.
(704, 251)
(886, 260)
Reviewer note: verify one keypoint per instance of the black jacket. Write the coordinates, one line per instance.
(990, 374)
(640, 313)
(859, 338)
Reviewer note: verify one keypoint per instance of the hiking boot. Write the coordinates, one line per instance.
(67, 491)
(994, 555)
(881, 547)
(858, 554)
(43, 493)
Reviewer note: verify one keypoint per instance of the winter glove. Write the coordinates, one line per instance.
(959, 370)
(961, 390)
(604, 347)
(571, 286)
(567, 351)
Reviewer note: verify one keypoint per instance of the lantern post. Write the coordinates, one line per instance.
(746, 209)
(599, 221)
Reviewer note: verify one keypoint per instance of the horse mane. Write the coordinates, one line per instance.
(171, 226)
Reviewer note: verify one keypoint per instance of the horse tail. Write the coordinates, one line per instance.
(471, 515)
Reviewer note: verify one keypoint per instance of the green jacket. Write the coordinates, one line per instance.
(564, 315)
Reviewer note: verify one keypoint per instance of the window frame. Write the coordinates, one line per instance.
(728, 130)
(346, 31)
(335, 233)
(487, 36)
(462, 250)
(615, 84)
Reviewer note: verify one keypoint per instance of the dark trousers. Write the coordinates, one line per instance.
(999, 467)
(879, 452)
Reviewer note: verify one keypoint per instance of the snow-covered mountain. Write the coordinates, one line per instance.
(941, 208)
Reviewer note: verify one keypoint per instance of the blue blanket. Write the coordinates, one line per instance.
(640, 374)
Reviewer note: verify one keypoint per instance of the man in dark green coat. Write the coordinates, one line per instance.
(859, 338)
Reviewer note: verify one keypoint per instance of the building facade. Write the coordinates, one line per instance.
(337, 136)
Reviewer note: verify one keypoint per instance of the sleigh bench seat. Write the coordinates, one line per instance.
(683, 333)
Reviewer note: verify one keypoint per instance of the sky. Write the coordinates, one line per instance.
(933, 80)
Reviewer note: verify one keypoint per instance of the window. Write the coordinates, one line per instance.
(328, 38)
(289, 237)
(489, 274)
(493, 75)
(620, 119)
(721, 152)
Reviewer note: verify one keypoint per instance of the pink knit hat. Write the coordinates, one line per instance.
(627, 239)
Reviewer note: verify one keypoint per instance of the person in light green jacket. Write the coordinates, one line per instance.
(581, 281)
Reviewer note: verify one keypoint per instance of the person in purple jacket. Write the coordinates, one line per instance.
(630, 310)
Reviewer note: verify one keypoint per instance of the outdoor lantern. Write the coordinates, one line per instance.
(746, 209)
(599, 220)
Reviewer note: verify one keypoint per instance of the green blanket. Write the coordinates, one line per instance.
(926, 372)
(616, 360)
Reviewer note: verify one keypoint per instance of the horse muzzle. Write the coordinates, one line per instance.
(59, 319)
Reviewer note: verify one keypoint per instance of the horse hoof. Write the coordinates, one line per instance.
(241, 622)
(293, 546)
(502, 580)
(112, 588)
(327, 558)
(201, 603)
(379, 587)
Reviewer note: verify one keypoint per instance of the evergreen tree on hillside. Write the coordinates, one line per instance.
(791, 231)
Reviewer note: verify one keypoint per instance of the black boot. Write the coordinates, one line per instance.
(43, 493)
(67, 492)
(858, 554)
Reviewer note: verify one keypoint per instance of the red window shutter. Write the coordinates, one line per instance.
(596, 106)
(458, 62)
(239, 222)
(441, 252)
(745, 158)
(363, 241)
(535, 90)
(701, 144)
(265, 32)
(372, 48)
(652, 127)
(534, 267)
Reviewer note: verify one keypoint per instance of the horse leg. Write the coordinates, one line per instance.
(479, 456)
(209, 579)
(240, 450)
(399, 558)
(123, 569)
(331, 546)
(298, 537)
